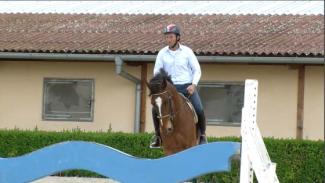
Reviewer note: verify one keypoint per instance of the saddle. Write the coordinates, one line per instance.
(188, 102)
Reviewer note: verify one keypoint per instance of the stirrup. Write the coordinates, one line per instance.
(203, 139)
(154, 141)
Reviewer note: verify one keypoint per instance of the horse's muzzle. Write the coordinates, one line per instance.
(169, 130)
(169, 127)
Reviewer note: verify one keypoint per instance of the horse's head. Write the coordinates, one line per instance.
(161, 99)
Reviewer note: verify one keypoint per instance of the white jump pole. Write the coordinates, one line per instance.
(254, 155)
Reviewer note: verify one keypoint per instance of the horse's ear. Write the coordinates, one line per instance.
(164, 83)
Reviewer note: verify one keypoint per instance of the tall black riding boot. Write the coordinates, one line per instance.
(202, 127)
(156, 140)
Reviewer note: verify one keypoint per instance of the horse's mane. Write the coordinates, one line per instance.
(156, 83)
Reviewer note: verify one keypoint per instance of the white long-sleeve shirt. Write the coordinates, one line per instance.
(181, 64)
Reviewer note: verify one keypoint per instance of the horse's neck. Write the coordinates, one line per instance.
(178, 100)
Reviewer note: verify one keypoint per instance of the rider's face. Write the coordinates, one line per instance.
(170, 39)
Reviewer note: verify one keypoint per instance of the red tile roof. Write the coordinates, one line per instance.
(266, 35)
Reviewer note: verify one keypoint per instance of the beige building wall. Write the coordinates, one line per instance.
(21, 95)
(277, 99)
(314, 103)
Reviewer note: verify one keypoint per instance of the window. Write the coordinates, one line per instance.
(222, 102)
(68, 99)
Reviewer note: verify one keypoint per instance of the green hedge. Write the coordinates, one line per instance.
(298, 161)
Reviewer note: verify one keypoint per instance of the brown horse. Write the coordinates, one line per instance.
(178, 122)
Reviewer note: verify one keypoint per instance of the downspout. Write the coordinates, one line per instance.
(300, 102)
(120, 71)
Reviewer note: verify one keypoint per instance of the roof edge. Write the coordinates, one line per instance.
(152, 58)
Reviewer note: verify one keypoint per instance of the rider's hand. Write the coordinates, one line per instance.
(190, 89)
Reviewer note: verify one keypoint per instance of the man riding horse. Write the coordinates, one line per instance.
(182, 65)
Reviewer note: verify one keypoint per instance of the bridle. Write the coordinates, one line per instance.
(171, 115)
